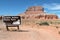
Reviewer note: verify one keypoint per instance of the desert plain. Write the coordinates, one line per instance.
(30, 32)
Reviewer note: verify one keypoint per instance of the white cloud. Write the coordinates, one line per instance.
(53, 6)
(45, 11)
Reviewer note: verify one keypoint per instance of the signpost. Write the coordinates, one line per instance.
(12, 21)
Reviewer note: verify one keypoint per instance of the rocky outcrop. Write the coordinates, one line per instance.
(37, 12)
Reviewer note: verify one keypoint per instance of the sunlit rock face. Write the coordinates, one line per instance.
(37, 12)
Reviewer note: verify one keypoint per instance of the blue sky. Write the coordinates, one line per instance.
(14, 7)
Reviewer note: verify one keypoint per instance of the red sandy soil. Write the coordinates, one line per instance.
(30, 32)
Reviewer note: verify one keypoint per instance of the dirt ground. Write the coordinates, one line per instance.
(29, 32)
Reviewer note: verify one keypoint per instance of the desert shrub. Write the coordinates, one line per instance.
(0, 28)
(59, 32)
(51, 22)
(57, 27)
(43, 23)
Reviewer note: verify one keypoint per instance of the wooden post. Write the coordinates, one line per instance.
(18, 28)
(7, 28)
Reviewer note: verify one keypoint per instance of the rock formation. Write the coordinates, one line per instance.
(37, 12)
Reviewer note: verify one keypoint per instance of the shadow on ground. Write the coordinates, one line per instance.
(18, 30)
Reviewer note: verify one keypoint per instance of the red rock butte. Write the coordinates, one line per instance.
(37, 12)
